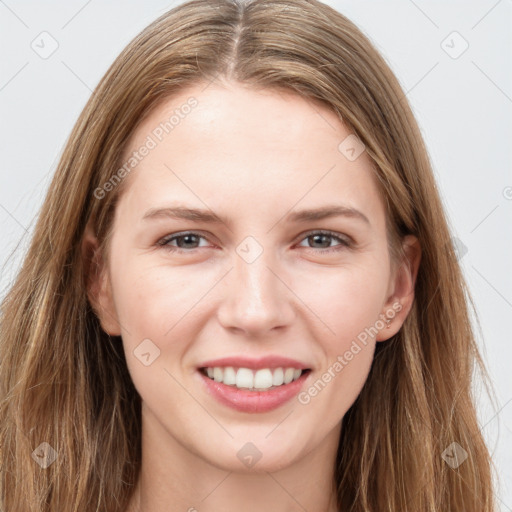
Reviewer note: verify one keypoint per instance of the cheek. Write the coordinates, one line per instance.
(350, 307)
(155, 306)
(151, 300)
(349, 303)
(347, 300)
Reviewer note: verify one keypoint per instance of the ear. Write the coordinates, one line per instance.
(97, 282)
(402, 284)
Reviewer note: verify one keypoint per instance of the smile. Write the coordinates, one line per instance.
(254, 380)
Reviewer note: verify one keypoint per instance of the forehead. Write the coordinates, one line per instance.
(212, 143)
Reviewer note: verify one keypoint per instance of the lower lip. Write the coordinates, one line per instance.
(253, 401)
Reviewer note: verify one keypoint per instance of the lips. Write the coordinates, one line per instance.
(255, 363)
(253, 385)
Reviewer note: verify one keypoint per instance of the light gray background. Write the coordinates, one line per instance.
(463, 106)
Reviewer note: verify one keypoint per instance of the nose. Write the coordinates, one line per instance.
(256, 298)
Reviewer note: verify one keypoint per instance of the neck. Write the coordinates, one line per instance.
(174, 479)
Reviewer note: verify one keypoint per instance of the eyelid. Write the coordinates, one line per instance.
(334, 234)
(172, 236)
(344, 241)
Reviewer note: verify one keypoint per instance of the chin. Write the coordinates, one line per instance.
(254, 457)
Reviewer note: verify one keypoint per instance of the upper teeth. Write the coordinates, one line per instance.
(250, 379)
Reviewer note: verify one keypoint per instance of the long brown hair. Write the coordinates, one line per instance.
(64, 381)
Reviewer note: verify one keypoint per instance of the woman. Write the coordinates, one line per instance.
(252, 369)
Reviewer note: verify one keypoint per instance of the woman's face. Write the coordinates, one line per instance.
(260, 290)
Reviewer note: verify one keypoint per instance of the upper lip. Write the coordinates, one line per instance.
(271, 361)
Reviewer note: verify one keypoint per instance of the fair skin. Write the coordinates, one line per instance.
(252, 158)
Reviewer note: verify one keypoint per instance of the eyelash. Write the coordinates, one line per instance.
(164, 242)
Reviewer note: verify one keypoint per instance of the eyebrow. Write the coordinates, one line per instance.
(200, 215)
